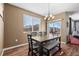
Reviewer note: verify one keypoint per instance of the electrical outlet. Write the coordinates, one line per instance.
(24, 32)
(16, 40)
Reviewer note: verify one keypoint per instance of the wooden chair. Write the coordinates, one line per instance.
(33, 46)
(50, 47)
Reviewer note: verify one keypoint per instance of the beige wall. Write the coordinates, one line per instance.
(1, 29)
(13, 18)
(43, 26)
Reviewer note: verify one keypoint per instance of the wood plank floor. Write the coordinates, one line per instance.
(67, 50)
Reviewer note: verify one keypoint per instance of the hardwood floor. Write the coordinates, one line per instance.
(21, 51)
(67, 50)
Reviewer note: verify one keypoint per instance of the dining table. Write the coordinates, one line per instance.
(40, 39)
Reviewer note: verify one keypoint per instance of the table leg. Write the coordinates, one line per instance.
(40, 50)
(60, 43)
(59, 46)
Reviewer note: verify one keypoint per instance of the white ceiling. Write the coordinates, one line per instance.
(42, 8)
(75, 16)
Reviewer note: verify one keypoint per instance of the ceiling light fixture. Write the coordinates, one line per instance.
(49, 16)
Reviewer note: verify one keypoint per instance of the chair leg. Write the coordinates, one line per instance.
(28, 53)
(48, 53)
(29, 50)
(59, 46)
(32, 53)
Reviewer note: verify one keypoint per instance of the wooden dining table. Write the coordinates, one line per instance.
(42, 39)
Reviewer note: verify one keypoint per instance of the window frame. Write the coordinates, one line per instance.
(32, 18)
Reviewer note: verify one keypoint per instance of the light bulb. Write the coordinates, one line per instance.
(50, 15)
(53, 17)
(49, 18)
(45, 17)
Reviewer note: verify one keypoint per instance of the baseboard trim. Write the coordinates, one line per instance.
(14, 46)
(63, 42)
(2, 53)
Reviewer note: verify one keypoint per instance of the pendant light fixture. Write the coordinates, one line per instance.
(49, 16)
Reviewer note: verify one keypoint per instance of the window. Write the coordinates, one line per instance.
(54, 27)
(27, 22)
(31, 23)
(36, 23)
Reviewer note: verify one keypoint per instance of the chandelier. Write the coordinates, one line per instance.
(49, 16)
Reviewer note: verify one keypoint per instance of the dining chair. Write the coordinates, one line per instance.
(51, 47)
(33, 46)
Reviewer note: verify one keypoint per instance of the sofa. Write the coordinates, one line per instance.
(73, 39)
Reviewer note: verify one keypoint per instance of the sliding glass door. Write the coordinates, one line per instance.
(54, 27)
